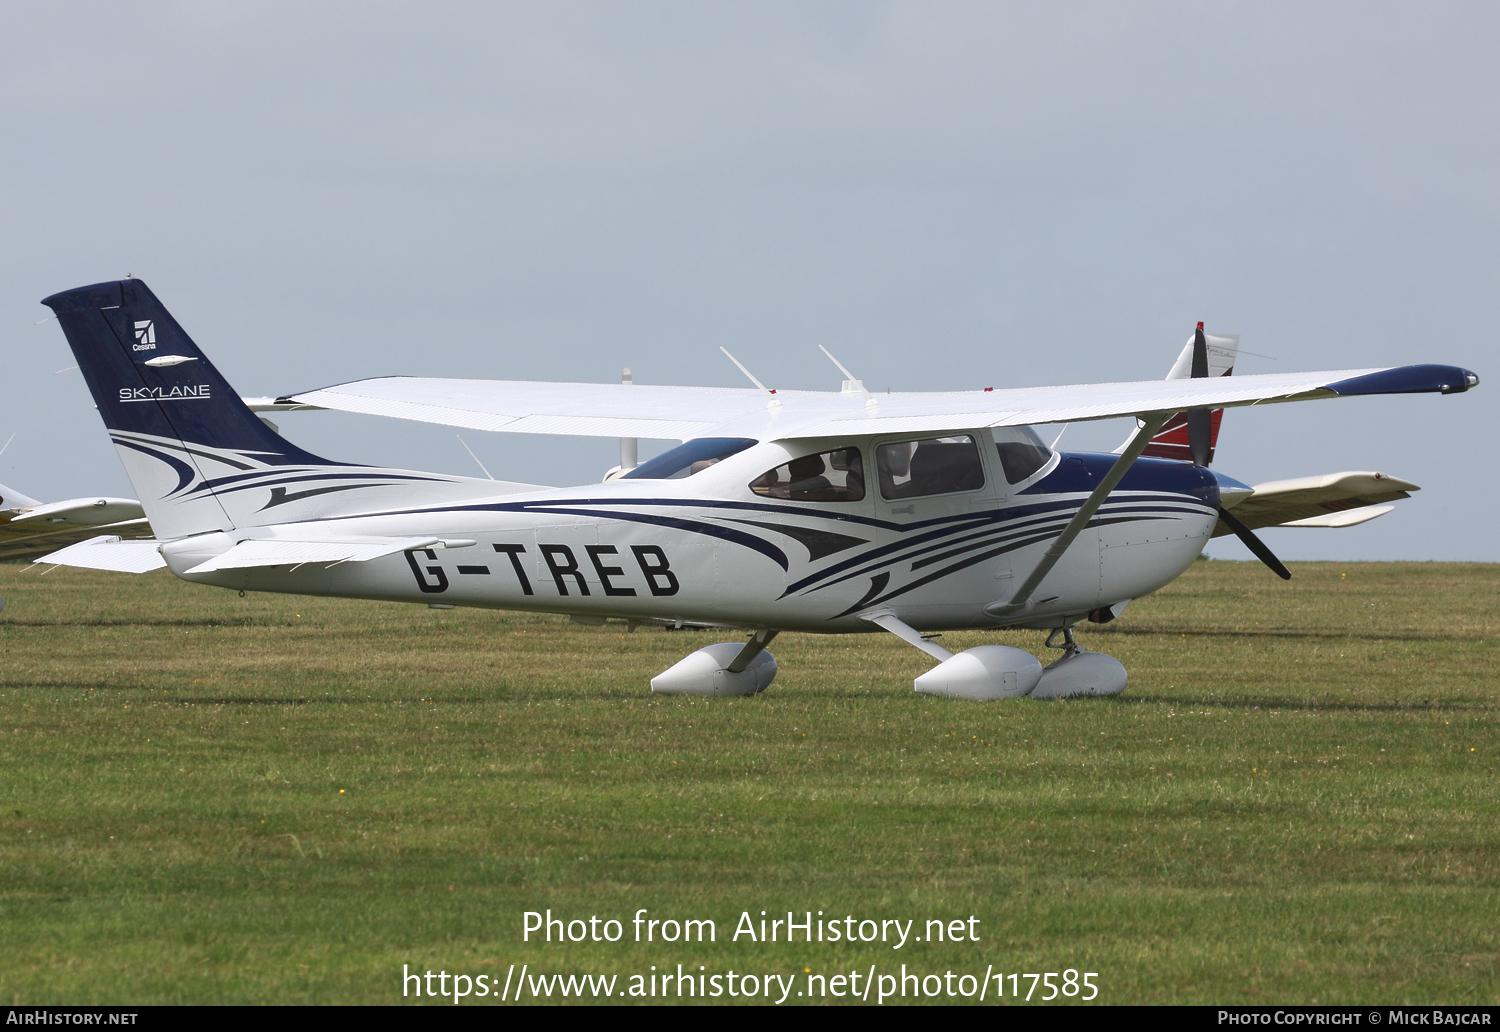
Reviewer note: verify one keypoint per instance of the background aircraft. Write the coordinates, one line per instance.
(29, 529)
(823, 512)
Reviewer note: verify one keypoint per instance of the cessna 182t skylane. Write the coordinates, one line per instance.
(792, 510)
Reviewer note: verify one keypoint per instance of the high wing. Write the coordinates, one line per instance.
(682, 413)
(534, 407)
(1332, 500)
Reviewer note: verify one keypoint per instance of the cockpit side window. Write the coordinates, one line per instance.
(1022, 452)
(835, 476)
(937, 465)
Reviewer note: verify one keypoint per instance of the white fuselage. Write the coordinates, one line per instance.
(707, 549)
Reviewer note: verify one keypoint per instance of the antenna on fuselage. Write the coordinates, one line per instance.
(852, 384)
(769, 393)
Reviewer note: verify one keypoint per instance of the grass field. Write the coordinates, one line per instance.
(272, 799)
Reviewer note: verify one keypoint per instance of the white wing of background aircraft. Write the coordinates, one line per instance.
(30, 529)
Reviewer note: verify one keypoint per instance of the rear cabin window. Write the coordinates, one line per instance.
(835, 476)
(687, 459)
(937, 465)
(1022, 452)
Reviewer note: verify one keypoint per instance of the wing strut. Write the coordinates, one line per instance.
(1146, 429)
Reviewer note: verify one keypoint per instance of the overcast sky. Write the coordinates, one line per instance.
(945, 195)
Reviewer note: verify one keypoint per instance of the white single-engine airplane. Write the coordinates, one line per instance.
(794, 510)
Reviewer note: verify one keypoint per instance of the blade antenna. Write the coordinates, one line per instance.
(751, 376)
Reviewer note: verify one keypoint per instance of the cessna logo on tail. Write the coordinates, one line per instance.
(145, 336)
(189, 392)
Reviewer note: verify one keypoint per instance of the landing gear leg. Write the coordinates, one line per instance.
(1070, 643)
(1078, 671)
(754, 647)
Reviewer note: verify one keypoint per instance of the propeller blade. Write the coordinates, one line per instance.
(1200, 354)
(1199, 421)
(1255, 544)
(1200, 424)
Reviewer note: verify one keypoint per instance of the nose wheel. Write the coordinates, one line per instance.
(1078, 671)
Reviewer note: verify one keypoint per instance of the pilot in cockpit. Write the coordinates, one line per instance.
(836, 476)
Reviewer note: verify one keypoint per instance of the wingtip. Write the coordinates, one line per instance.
(1412, 379)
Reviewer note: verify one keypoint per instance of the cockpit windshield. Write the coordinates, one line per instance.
(1022, 452)
(688, 458)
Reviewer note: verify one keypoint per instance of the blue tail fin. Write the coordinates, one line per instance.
(200, 460)
(148, 377)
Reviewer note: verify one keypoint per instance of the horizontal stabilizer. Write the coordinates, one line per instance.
(31, 541)
(280, 552)
(1332, 500)
(108, 552)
